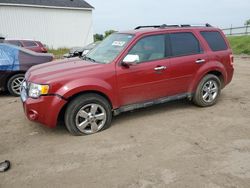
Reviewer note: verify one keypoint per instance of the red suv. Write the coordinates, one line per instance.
(35, 46)
(127, 71)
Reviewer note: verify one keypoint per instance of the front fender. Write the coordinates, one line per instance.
(74, 87)
(204, 70)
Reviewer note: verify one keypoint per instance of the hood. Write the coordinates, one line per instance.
(61, 70)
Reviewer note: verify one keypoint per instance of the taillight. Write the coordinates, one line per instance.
(44, 50)
(232, 60)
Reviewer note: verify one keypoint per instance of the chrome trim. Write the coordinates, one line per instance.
(200, 61)
(146, 104)
(160, 68)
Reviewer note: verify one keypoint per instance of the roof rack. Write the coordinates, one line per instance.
(165, 26)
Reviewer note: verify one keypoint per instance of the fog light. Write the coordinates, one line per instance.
(33, 115)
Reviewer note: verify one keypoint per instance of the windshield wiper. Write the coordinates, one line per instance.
(88, 59)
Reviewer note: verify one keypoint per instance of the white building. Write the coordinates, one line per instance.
(56, 23)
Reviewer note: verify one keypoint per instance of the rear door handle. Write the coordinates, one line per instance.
(198, 61)
(160, 68)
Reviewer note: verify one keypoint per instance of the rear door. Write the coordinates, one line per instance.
(148, 79)
(187, 56)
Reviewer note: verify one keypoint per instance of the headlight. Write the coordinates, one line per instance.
(36, 90)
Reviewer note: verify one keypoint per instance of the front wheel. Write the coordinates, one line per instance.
(14, 84)
(208, 91)
(88, 114)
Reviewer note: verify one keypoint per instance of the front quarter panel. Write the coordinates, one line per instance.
(77, 86)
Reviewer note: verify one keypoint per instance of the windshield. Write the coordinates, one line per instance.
(109, 49)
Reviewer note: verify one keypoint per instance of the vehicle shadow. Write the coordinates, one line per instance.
(5, 94)
(132, 115)
(159, 109)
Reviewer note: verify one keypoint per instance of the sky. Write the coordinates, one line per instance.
(127, 14)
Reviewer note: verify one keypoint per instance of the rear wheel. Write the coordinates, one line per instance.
(208, 91)
(88, 114)
(14, 84)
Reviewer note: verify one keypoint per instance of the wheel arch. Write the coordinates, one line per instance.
(71, 98)
(217, 71)
(11, 75)
(219, 74)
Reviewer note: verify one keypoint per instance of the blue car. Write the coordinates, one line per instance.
(14, 62)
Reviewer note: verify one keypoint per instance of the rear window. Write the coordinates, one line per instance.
(184, 44)
(29, 43)
(215, 41)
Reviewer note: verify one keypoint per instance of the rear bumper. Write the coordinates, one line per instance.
(230, 76)
(44, 110)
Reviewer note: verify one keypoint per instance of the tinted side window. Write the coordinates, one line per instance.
(13, 42)
(29, 44)
(184, 44)
(149, 48)
(215, 41)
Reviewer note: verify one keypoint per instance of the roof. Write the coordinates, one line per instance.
(73, 4)
(162, 30)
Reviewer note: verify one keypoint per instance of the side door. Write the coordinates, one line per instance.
(147, 79)
(187, 56)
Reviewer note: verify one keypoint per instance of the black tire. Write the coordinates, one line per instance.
(77, 104)
(198, 96)
(11, 83)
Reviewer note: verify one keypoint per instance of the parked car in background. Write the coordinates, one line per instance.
(80, 51)
(2, 39)
(127, 71)
(35, 46)
(14, 62)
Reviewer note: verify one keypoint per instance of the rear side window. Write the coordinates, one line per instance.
(14, 42)
(29, 44)
(215, 41)
(184, 44)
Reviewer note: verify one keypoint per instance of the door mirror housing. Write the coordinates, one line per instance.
(76, 53)
(130, 60)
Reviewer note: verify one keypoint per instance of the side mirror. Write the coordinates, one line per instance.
(76, 53)
(130, 60)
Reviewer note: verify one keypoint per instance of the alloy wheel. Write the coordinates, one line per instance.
(16, 85)
(91, 118)
(210, 91)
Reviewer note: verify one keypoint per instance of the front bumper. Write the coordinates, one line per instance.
(44, 110)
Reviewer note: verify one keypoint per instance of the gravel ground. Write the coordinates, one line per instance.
(170, 145)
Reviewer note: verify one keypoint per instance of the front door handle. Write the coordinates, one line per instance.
(160, 68)
(198, 61)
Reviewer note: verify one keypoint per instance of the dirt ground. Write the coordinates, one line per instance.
(171, 145)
